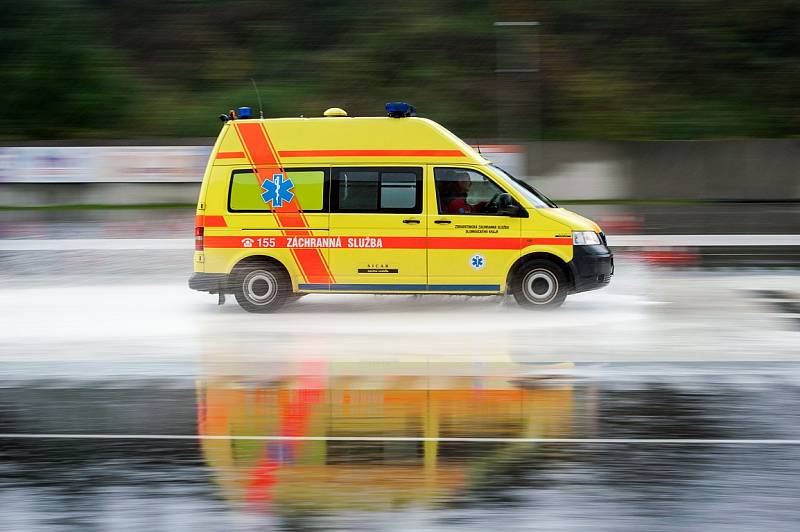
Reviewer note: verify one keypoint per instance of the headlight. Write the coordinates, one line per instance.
(585, 238)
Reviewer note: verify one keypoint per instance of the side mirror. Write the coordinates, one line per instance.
(504, 200)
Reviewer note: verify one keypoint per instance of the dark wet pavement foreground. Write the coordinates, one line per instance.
(602, 447)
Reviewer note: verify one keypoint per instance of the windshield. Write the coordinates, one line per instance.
(538, 199)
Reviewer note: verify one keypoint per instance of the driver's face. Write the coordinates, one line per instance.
(463, 184)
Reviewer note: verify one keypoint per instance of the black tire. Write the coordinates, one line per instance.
(539, 284)
(261, 287)
(294, 296)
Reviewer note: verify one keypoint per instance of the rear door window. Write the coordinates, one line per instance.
(377, 190)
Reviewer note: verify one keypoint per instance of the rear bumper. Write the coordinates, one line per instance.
(592, 267)
(209, 282)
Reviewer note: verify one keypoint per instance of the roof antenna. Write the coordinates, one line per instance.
(260, 107)
(478, 145)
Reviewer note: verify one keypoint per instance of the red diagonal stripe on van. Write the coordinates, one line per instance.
(311, 261)
(371, 153)
(264, 161)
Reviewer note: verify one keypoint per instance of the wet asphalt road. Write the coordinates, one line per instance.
(318, 451)
(127, 402)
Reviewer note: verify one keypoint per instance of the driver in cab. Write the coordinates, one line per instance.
(454, 190)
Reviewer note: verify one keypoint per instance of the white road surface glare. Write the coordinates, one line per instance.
(646, 315)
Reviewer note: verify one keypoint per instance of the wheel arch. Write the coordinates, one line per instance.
(542, 255)
(259, 259)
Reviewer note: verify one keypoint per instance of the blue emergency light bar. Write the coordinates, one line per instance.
(400, 110)
(245, 112)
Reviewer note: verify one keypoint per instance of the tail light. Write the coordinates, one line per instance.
(198, 239)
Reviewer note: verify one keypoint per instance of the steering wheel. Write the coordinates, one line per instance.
(493, 204)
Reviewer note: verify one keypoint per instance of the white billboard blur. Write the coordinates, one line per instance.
(144, 164)
(510, 157)
(103, 164)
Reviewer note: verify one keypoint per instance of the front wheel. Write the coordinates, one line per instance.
(539, 284)
(261, 288)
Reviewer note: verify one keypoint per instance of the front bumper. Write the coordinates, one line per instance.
(213, 283)
(592, 267)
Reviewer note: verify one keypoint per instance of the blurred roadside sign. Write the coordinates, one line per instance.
(147, 164)
(510, 157)
(103, 164)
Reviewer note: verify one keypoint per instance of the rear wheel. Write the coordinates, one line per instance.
(539, 284)
(262, 287)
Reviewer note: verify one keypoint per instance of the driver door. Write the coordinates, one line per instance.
(470, 248)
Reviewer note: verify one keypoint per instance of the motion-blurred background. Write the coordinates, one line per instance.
(129, 402)
(677, 117)
(686, 69)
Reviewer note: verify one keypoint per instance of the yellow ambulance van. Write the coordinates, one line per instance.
(379, 205)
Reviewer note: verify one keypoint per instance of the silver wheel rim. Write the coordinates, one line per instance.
(260, 287)
(540, 286)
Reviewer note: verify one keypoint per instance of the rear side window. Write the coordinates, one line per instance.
(377, 190)
(308, 186)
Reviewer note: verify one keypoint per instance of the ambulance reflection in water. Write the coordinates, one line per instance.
(299, 475)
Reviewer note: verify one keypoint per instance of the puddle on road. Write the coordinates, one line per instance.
(367, 452)
(376, 468)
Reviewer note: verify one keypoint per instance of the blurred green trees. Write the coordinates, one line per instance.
(605, 68)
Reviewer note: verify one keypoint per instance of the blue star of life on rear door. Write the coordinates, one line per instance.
(278, 190)
(477, 262)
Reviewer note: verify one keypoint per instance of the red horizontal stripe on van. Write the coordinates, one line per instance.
(387, 242)
(230, 155)
(549, 241)
(468, 242)
(371, 153)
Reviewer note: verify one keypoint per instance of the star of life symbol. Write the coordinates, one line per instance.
(477, 262)
(278, 190)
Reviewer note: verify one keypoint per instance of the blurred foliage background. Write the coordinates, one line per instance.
(606, 69)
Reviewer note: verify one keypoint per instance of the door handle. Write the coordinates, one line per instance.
(442, 221)
(410, 221)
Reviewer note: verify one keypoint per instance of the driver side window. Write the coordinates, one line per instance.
(462, 191)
